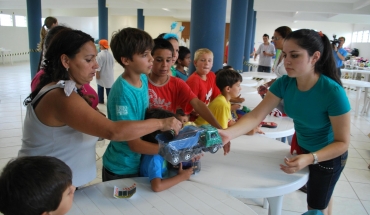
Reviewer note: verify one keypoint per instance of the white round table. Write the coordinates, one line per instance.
(285, 126)
(184, 198)
(251, 170)
(249, 83)
(264, 75)
(359, 85)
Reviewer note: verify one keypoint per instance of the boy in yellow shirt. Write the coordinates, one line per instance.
(228, 81)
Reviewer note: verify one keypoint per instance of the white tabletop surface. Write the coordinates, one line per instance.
(285, 127)
(185, 198)
(249, 83)
(355, 83)
(263, 75)
(247, 90)
(285, 124)
(251, 170)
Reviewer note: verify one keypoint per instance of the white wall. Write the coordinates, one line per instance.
(329, 28)
(16, 39)
(364, 48)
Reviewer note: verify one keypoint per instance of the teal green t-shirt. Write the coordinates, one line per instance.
(125, 102)
(310, 110)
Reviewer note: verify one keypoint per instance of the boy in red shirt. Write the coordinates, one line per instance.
(170, 93)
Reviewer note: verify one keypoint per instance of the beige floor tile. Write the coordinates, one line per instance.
(9, 152)
(366, 205)
(344, 206)
(361, 190)
(357, 175)
(345, 190)
(352, 153)
(356, 163)
(10, 141)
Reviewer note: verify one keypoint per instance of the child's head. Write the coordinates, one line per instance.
(162, 53)
(34, 185)
(228, 81)
(128, 42)
(182, 116)
(184, 57)
(155, 113)
(228, 67)
(103, 44)
(203, 61)
(174, 40)
(307, 50)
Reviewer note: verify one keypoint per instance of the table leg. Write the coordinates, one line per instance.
(265, 204)
(276, 204)
(358, 89)
(365, 95)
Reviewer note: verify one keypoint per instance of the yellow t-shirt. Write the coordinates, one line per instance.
(221, 109)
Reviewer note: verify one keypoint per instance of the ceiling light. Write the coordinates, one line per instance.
(296, 12)
(166, 9)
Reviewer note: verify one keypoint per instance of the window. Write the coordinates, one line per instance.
(20, 21)
(359, 36)
(365, 37)
(6, 20)
(354, 37)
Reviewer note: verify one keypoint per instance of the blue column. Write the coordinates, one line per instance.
(248, 36)
(238, 21)
(207, 30)
(34, 26)
(103, 20)
(140, 19)
(253, 30)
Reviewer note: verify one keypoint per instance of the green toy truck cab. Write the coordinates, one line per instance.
(210, 140)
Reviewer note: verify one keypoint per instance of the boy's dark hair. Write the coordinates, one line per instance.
(129, 41)
(266, 35)
(155, 113)
(227, 67)
(160, 43)
(180, 112)
(312, 41)
(33, 185)
(183, 51)
(227, 77)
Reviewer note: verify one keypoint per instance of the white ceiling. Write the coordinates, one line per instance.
(347, 11)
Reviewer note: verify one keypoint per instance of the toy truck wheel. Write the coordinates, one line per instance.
(213, 149)
(175, 159)
(187, 156)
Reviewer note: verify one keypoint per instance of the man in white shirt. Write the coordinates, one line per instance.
(266, 52)
(105, 73)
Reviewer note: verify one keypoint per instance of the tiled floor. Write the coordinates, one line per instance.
(351, 195)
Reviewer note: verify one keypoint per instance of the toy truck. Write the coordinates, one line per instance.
(190, 141)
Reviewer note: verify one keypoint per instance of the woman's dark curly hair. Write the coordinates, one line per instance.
(67, 42)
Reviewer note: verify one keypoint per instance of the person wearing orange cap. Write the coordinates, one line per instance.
(104, 74)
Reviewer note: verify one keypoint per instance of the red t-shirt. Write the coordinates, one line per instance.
(205, 90)
(170, 96)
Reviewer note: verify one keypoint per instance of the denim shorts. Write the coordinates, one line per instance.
(322, 179)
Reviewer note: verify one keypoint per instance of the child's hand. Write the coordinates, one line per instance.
(237, 99)
(197, 157)
(235, 106)
(194, 113)
(185, 173)
(256, 130)
(171, 123)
